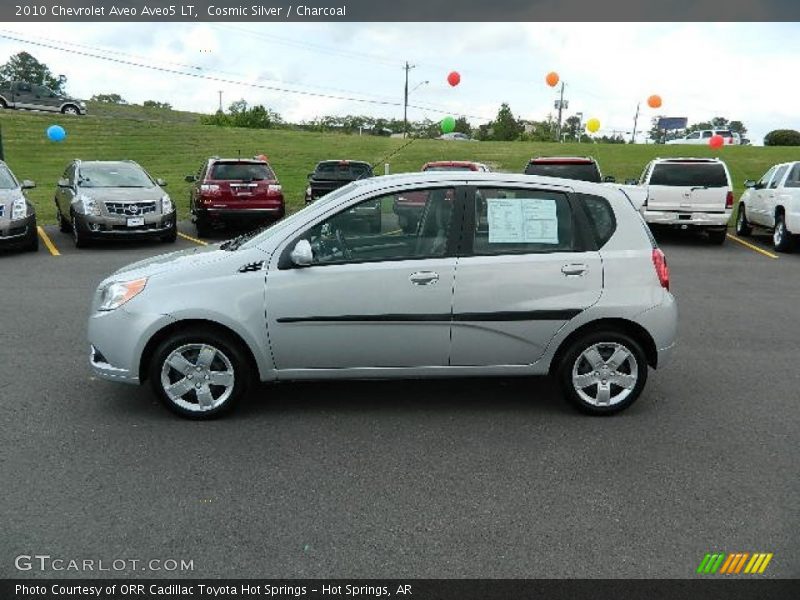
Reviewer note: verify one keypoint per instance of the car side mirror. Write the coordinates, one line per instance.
(161, 182)
(609, 179)
(27, 184)
(310, 175)
(63, 183)
(749, 183)
(190, 178)
(302, 256)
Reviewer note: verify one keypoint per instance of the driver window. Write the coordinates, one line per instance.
(401, 226)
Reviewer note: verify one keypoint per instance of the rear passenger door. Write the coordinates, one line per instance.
(755, 207)
(526, 267)
(771, 195)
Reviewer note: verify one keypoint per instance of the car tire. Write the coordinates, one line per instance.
(79, 237)
(610, 388)
(32, 243)
(184, 356)
(63, 225)
(70, 109)
(743, 228)
(782, 240)
(203, 227)
(717, 236)
(172, 236)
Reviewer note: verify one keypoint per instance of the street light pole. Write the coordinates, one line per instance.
(561, 104)
(408, 67)
(635, 122)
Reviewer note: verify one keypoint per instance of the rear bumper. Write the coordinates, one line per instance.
(242, 214)
(686, 218)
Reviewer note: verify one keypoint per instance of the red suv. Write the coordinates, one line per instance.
(238, 191)
(408, 207)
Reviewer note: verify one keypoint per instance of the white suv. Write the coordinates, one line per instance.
(703, 137)
(687, 193)
(773, 202)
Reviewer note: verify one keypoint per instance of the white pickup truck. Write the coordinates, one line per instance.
(685, 193)
(773, 202)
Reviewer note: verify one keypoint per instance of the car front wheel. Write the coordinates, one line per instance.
(603, 372)
(200, 374)
(781, 238)
(742, 225)
(78, 235)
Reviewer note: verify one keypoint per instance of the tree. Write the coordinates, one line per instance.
(463, 126)
(782, 137)
(24, 67)
(239, 115)
(505, 127)
(156, 104)
(108, 99)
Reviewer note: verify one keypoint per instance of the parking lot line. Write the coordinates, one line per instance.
(752, 247)
(191, 239)
(47, 241)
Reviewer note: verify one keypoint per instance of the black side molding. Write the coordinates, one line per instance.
(532, 315)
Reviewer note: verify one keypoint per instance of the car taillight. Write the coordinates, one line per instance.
(210, 188)
(274, 189)
(662, 270)
(729, 200)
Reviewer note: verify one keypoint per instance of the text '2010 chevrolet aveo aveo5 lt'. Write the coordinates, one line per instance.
(504, 275)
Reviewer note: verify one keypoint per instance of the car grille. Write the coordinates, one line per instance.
(131, 209)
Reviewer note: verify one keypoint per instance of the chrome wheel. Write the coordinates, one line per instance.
(197, 377)
(605, 374)
(70, 110)
(779, 233)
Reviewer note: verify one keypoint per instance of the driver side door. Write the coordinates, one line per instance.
(374, 295)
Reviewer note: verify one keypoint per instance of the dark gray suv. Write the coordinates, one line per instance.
(113, 199)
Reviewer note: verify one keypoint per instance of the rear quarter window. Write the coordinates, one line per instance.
(689, 174)
(602, 221)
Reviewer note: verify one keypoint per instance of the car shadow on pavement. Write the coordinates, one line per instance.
(678, 237)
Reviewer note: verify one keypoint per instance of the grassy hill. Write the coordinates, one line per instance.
(172, 144)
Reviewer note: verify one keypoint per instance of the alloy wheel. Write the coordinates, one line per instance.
(605, 374)
(197, 377)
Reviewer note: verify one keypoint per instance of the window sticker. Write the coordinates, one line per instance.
(522, 221)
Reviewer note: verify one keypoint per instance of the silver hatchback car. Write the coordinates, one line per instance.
(505, 275)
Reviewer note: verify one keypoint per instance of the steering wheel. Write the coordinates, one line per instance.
(343, 245)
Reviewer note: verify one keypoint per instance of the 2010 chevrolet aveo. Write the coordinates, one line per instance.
(504, 275)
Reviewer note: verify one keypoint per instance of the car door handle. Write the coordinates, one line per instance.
(424, 278)
(574, 269)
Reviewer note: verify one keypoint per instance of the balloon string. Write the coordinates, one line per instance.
(391, 154)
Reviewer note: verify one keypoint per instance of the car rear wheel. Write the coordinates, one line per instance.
(199, 374)
(603, 373)
(203, 227)
(69, 109)
(742, 225)
(717, 236)
(782, 240)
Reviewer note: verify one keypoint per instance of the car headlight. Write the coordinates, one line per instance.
(166, 204)
(19, 210)
(90, 205)
(117, 293)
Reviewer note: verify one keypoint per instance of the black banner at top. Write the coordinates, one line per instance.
(444, 11)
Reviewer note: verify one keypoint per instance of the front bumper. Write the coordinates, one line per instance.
(13, 233)
(116, 226)
(686, 218)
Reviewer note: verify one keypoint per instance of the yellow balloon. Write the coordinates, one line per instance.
(592, 125)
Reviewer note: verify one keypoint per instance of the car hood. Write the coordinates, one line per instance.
(123, 194)
(182, 259)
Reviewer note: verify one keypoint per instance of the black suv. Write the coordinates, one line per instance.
(330, 175)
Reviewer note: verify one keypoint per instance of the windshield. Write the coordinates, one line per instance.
(7, 181)
(342, 170)
(113, 175)
(297, 217)
(689, 175)
(241, 172)
(579, 171)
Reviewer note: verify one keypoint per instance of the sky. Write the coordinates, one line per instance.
(741, 71)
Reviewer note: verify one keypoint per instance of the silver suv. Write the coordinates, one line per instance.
(505, 275)
(113, 199)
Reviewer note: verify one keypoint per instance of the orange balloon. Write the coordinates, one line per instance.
(552, 79)
(654, 101)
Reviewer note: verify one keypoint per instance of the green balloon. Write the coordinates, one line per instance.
(448, 125)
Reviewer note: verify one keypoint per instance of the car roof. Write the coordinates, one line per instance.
(344, 161)
(688, 159)
(107, 162)
(452, 163)
(577, 160)
(256, 161)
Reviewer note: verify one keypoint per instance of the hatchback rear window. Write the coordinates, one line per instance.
(343, 170)
(241, 172)
(689, 174)
(578, 171)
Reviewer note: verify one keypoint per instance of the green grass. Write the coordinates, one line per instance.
(172, 144)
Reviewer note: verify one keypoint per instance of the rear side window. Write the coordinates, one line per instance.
(601, 218)
(689, 174)
(578, 171)
(793, 180)
(522, 221)
(778, 176)
(241, 172)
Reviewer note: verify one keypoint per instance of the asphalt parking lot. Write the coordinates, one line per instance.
(458, 478)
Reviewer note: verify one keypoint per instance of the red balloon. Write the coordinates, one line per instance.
(716, 141)
(454, 78)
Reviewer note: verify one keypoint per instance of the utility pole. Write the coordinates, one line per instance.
(560, 105)
(635, 121)
(407, 68)
(220, 100)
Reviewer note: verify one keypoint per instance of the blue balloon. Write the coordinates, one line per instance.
(56, 133)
